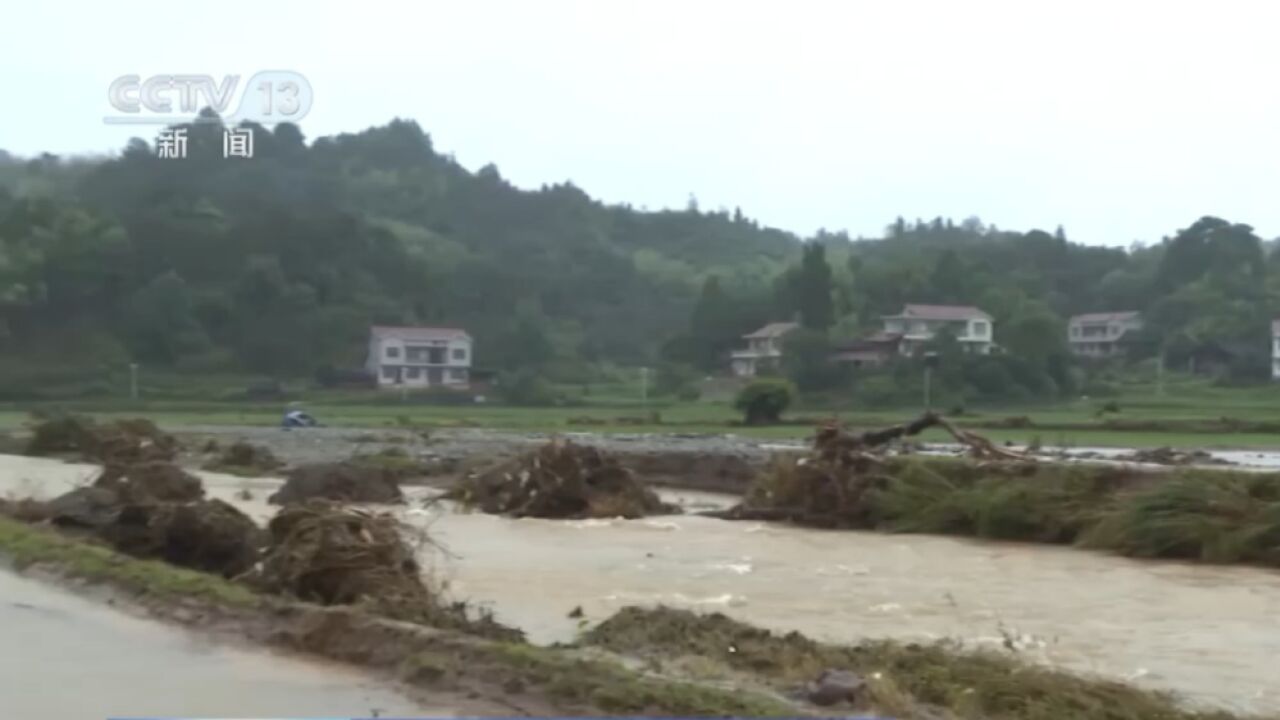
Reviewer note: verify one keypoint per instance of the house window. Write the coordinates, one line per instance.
(979, 327)
(457, 374)
(393, 352)
(411, 373)
(459, 353)
(388, 373)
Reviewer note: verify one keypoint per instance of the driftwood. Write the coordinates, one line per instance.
(975, 445)
(829, 487)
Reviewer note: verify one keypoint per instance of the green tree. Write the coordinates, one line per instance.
(806, 360)
(813, 288)
(763, 401)
(163, 328)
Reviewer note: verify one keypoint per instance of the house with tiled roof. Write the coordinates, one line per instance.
(419, 357)
(918, 324)
(763, 351)
(1102, 335)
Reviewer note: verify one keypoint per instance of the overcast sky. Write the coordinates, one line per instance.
(1120, 121)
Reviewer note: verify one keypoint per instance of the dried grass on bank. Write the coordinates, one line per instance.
(910, 680)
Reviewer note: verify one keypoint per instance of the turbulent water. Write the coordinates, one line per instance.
(1207, 632)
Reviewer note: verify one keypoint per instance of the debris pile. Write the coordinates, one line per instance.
(156, 510)
(122, 441)
(560, 480)
(1171, 456)
(333, 555)
(325, 553)
(833, 485)
(351, 482)
(156, 481)
(207, 535)
(243, 458)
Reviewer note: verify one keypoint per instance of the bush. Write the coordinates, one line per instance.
(676, 379)
(526, 387)
(763, 401)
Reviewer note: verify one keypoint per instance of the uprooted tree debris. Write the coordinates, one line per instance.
(831, 485)
(560, 480)
(333, 555)
(122, 441)
(341, 481)
(156, 510)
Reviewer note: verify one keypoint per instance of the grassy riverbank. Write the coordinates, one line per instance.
(1186, 413)
(694, 666)
(1216, 516)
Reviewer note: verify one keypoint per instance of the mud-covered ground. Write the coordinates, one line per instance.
(723, 463)
(711, 463)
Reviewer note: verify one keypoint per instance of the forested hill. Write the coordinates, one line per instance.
(278, 264)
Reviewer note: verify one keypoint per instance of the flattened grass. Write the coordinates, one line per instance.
(907, 679)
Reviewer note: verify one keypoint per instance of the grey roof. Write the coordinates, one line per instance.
(772, 330)
(383, 332)
(941, 312)
(1107, 316)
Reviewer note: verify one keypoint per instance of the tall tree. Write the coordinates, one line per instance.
(814, 288)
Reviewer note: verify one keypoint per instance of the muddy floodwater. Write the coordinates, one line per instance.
(66, 657)
(1209, 633)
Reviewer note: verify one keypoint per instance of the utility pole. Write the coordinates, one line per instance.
(644, 387)
(133, 381)
(1160, 372)
(930, 360)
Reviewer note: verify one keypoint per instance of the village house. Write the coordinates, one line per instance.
(1102, 335)
(764, 350)
(869, 352)
(419, 357)
(919, 324)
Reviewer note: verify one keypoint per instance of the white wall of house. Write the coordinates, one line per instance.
(974, 333)
(1275, 355)
(1100, 338)
(415, 363)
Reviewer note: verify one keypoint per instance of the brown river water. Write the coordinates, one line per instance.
(1208, 633)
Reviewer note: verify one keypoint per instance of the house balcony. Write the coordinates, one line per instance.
(754, 354)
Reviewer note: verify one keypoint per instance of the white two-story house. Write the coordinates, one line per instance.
(1102, 335)
(764, 349)
(419, 357)
(918, 324)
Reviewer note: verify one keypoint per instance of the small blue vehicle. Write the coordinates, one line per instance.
(297, 419)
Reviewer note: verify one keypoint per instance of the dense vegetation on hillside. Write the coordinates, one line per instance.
(277, 265)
